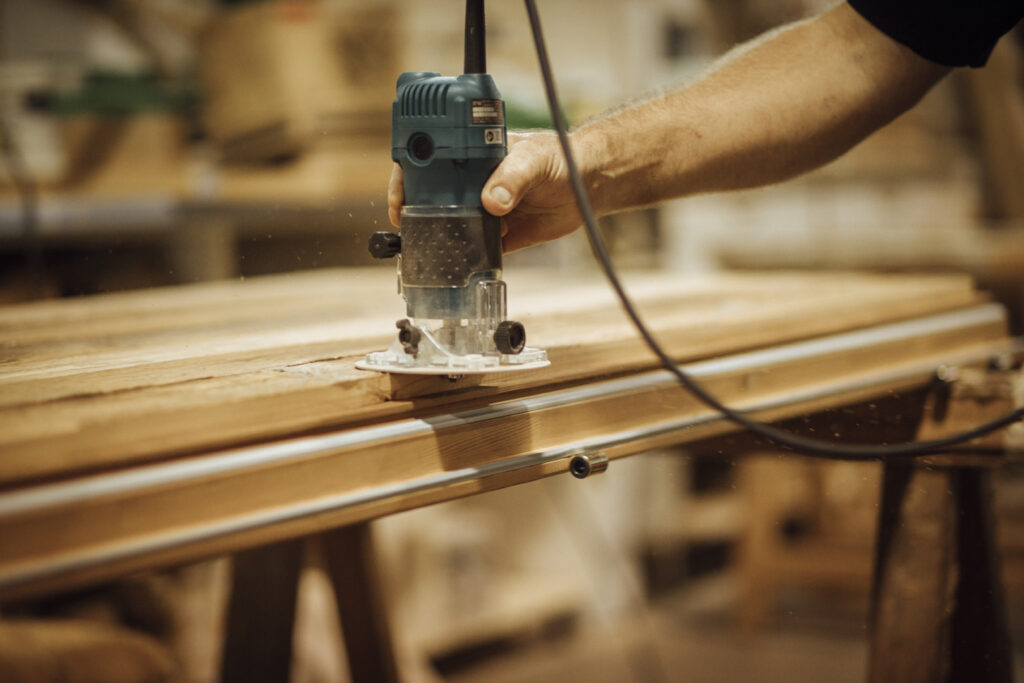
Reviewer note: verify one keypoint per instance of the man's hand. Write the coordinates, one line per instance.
(787, 103)
(529, 190)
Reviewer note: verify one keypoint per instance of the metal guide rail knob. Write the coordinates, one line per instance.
(448, 135)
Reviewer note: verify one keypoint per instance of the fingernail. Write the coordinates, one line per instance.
(501, 195)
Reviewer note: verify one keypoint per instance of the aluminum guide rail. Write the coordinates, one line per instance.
(94, 488)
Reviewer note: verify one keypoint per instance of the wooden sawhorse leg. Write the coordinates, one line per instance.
(261, 614)
(938, 606)
(359, 595)
(261, 610)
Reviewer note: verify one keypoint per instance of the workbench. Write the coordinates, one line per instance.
(153, 428)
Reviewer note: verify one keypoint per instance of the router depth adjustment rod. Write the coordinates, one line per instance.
(448, 135)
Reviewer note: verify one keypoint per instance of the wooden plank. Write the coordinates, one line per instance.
(61, 534)
(90, 384)
(115, 330)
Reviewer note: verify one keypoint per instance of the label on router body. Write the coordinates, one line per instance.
(488, 112)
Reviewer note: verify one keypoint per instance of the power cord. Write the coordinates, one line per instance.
(797, 443)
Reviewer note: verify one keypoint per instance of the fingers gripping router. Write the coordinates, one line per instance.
(448, 135)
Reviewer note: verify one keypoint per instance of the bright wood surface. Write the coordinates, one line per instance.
(152, 428)
(90, 383)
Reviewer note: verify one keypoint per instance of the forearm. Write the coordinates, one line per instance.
(791, 102)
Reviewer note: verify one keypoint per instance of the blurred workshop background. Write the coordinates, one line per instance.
(163, 142)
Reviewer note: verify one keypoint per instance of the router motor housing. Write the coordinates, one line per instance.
(448, 135)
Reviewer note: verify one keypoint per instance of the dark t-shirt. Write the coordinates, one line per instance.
(950, 32)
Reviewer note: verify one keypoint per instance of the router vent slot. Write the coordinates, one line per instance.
(425, 99)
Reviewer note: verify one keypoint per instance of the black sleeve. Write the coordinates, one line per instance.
(949, 32)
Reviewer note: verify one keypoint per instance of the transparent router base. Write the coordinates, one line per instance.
(432, 359)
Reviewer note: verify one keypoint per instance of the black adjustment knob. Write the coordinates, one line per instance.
(385, 244)
(409, 336)
(510, 337)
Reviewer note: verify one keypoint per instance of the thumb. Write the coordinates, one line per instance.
(513, 178)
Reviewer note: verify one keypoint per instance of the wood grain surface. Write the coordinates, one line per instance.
(157, 427)
(91, 383)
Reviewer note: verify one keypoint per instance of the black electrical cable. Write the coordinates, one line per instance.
(797, 443)
(476, 49)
